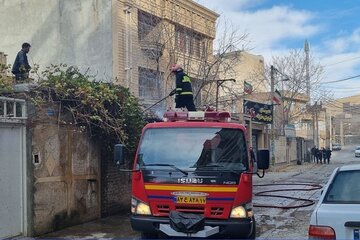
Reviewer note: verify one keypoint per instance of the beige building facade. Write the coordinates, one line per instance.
(341, 121)
(241, 66)
(153, 35)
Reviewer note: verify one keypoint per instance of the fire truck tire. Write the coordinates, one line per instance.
(149, 235)
(253, 233)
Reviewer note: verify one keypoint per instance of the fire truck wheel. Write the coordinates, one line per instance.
(148, 235)
(253, 233)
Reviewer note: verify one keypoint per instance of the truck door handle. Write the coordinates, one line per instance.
(352, 224)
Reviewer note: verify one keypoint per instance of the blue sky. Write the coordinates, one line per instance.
(332, 28)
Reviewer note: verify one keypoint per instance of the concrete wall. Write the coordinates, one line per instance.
(66, 174)
(75, 32)
(285, 150)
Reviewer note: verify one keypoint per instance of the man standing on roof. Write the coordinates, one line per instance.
(183, 91)
(21, 67)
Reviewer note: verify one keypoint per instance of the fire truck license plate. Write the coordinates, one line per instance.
(190, 200)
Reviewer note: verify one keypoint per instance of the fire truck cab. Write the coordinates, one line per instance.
(192, 177)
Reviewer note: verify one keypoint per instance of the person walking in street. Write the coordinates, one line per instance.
(328, 155)
(324, 155)
(313, 153)
(183, 90)
(320, 155)
(21, 67)
(316, 152)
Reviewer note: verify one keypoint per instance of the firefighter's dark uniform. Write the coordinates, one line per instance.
(184, 94)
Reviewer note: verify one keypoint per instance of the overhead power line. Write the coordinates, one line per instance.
(342, 80)
(346, 60)
(342, 88)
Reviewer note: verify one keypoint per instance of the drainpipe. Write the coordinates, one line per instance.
(128, 48)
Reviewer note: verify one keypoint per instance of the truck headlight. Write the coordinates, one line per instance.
(143, 209)
(242, 211)
(238, 212)
(138, 207)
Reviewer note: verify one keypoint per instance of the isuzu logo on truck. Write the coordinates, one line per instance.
(190, 180)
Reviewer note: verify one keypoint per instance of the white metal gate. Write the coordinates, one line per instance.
(13, 167)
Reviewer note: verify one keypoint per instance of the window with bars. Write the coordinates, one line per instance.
(150, 84)
(146, 23)
(189, 41)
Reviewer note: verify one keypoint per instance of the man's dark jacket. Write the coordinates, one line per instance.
(21, 64)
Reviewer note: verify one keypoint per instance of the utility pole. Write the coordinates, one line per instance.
(315, 110)
(316, 125)
(328, 128)
(313, 126)
(330, 131)
(272, 130)
(341, 133)
(307, 49)
(273, 70)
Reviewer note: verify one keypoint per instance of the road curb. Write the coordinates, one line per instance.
(293, 167)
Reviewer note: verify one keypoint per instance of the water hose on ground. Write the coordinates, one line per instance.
(306, 202)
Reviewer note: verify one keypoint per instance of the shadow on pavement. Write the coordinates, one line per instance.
(117, 226)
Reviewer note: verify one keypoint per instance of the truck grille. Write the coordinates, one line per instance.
(163, 208)
(188, 209)
(217, 211)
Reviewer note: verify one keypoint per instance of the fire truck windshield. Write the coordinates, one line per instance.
(194, 148)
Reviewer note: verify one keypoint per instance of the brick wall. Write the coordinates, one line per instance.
(115, 188)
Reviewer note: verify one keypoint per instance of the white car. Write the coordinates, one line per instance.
(336, 147)
(337, 214)
(357, 152)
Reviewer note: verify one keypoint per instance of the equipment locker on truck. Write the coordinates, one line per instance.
(192, 177)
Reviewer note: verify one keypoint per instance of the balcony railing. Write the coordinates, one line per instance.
(12, 109)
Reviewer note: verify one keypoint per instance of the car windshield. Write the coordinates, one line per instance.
(194, 148)
(345, 188)
(358, 148)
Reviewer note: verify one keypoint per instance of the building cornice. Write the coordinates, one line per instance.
(200, 9)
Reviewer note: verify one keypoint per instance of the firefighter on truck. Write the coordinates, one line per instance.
(192, 177)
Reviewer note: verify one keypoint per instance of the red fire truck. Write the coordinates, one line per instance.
(192, 177)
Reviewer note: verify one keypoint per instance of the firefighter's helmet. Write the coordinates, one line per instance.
(175, 67)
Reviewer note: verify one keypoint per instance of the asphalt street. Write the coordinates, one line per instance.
(272, 223)
(293, 223)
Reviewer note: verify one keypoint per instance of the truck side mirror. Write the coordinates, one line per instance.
(119, 154)
(263, 159)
